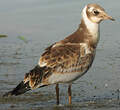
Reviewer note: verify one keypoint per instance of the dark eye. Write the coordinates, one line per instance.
(96, 12)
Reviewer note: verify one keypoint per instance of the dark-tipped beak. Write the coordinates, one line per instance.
(107, 17)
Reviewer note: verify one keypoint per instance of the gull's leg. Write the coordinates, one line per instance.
(69, 93)
(57, 93)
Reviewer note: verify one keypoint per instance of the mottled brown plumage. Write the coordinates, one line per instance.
(68, 59)
(65, 58)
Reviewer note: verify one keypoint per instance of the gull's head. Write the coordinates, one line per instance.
(95, 13)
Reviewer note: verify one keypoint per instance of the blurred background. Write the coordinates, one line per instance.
(27, 27)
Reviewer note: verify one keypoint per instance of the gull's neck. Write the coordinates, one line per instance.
(93, 28)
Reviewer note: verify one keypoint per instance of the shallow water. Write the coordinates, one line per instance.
(43, 22)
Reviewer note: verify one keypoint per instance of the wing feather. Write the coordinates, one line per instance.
(60, 58)
(65, 55)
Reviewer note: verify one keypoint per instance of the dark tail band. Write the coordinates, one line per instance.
(20, 89)
(36, 75)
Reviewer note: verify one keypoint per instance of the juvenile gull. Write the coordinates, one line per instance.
(67, 60)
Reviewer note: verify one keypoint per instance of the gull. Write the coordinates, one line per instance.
(67, 60)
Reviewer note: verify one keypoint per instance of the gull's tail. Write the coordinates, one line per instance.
(20, 89)
(32, 80)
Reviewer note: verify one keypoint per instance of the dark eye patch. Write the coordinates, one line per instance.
(96, 12)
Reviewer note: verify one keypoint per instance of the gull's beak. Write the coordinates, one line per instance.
(107, 17)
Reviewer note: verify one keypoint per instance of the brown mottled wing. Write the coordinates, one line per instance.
(64, 55)
(59, 58)
(55, 56)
